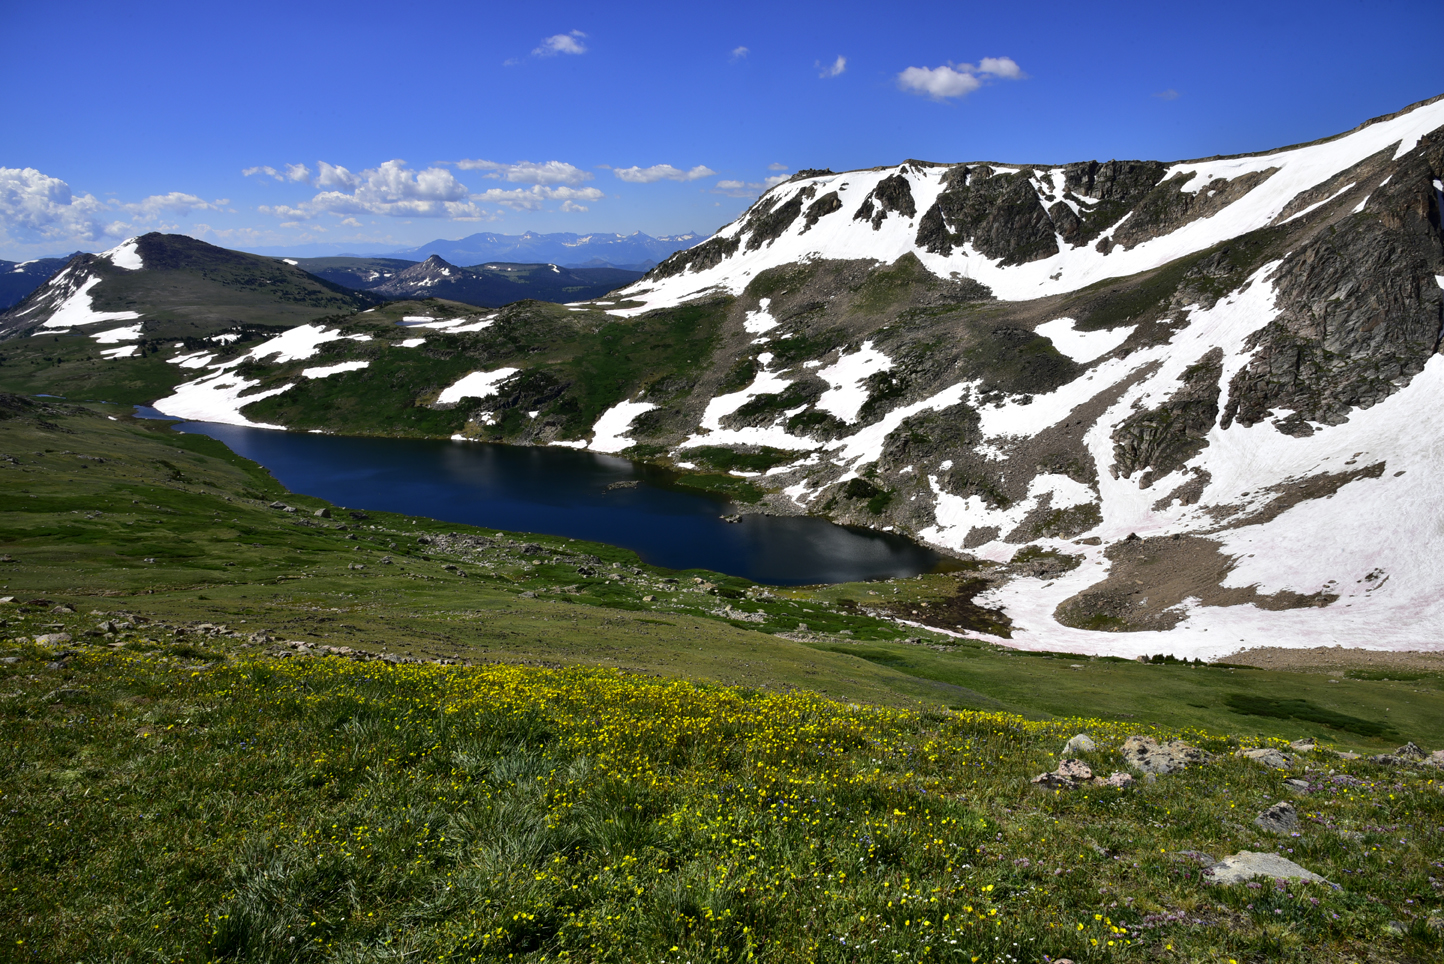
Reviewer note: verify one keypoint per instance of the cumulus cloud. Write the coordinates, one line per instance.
(572, 206)
(35, 207)
(529, 172)
(390, 190)
(532, 198)
(957, 80)
(777, 167)
(733, 188)
(833, 69)
(1169, 94)
(562, 43)
(175, 203)
(661, 172)
(739, 53)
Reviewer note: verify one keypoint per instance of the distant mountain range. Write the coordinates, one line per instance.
(637, 251)
(19, 278)
(485, 285)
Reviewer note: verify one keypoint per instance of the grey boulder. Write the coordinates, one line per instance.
(1246, 865)
(1147, 754)
(1082, 743)
(1280, 818)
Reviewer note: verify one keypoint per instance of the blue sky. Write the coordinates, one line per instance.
(372, 125)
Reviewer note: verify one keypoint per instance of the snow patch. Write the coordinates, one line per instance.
(1083, 346)
(113, 335)
(323, 371)
(77, 310)
(761, 320)
(608, 433)
(847, 376)
(474, 385)
(125, 351)
(125, 255)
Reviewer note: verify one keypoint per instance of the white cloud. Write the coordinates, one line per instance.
(661, 172)
(957, 80)
(739, 53)
(833, 69)
(778, 167)
(390, 190)
(293, 172)
(175, 202)
(529, 172)
(733, 188)
(35, 207)
(1004, 67)
(572, 206)
(1169, 94)
(531, 199)
(562, 43)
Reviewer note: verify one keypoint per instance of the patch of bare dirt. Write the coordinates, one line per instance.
(1149, 578)
(1336, 659)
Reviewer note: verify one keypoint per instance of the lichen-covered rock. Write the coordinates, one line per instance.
(1148, 755)
(1082, 743)
(1267, 756)
(1247, 864)
(1069, 775)
(1279, 818)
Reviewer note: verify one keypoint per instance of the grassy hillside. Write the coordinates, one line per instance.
(566, 754)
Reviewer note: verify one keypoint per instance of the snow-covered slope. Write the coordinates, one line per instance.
(821, 216)
(1226, 434)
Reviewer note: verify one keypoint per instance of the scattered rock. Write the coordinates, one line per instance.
(1297, 785)
(278, 505)
(1147, 754)
(9, 660)
(1070, 774)
(6, 558)
(1280, 818)
(322, 513)
(1406, 754)
(730, 518)
(1246, 865)
(1120, 780)
(52, 639)
(649, 598)
(65, 609)
(1266, 756)
(1082, 743)
(7, 600)
(1303, 746)
(385, 560)
(1435, 759)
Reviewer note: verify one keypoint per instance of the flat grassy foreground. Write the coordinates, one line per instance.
(180, 804)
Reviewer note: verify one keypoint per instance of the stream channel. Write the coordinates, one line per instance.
(564, 492)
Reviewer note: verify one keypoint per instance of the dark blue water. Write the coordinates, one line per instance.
(564, 492)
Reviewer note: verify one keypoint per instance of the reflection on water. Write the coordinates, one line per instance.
(564, 492)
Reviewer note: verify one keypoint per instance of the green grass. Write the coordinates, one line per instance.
(80, 531)
(616, 777)
(198, 803)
